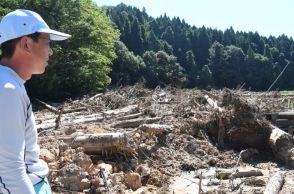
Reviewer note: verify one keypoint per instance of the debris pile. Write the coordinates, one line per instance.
(135, 140)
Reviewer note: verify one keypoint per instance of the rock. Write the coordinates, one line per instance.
(155, 178)
(133, 180)
(63, 147)
(179, 190)
(96, 182)
(70, 176)
(53, 165)
(47, 156)
(86, 191)
(106, 167)
(248, 154)
(143, 170)
(142, 190)
(101, 190)
(83, 160)
(117, 178)
(212, 162)
(100, 182)
(92, 170)
(85, 183)
(256, 181)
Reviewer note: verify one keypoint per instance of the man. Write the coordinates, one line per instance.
(25, 50)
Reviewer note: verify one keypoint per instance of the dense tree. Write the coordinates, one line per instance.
(217, 63)
(235, 62)
(159, 51)
(191, 68)
(226, 61)
(229, 36)
(127, 67)
(205, 78)
(267, 52)
(203, 44)
(162, 69)
(135, 37)
(168, 35)
(81, 64)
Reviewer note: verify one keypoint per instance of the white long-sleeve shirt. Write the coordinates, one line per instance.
(20, 166)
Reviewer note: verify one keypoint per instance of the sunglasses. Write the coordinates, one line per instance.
(50, 42)
(35, 37)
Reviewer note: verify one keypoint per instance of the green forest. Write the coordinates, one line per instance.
(123, 45)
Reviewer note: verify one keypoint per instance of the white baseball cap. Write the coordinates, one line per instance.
(23, 22)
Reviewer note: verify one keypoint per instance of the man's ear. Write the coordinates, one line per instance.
(25, 43)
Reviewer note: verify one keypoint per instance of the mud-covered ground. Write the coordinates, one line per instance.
(186, 158)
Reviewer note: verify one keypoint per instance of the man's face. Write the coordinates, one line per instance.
(41, 51)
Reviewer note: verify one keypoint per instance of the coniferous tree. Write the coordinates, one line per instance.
(217, 63)
(234, 64)
(205, 77)
(191, 68)
(136, 40)
(168, 35)
(203, 44)
(176, 37)
(229, 37)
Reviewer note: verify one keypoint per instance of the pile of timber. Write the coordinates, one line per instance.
(283, 120)
(280, 142)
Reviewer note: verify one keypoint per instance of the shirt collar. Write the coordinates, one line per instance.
(13, 73)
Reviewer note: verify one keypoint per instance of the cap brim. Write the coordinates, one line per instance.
(55, 35)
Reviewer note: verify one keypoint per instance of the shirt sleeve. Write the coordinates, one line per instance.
(13, 176)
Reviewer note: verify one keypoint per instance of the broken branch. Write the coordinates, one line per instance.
(135, 122)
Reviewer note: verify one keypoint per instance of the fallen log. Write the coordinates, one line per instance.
(57, 120)
(75, 110)
(125, 110)
(220, 124)
(100, 143)
(275, 183)
(240, 172)
(283, 115)
(213, 103)
(131, 116)
(155, 129)
(221, 132)
(68, 121)
(282, 145)
(135, 122)
(284, 122)
(45, 105)
(86, 120)
(93, 98)
(288, 185)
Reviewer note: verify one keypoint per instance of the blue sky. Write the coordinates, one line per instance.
(267, 17)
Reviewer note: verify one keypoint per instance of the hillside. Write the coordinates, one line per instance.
(164, 50)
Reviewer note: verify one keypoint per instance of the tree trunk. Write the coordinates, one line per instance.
(100, 143)
(135, 122)
(241, 172)
(275, 183)
(155, 129)
(282, 145)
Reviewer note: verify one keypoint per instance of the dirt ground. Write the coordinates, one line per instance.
(162, 141)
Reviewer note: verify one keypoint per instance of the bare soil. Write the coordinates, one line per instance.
(185, 159)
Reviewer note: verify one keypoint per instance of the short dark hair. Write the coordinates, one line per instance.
(8, 47)
(35, 36)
